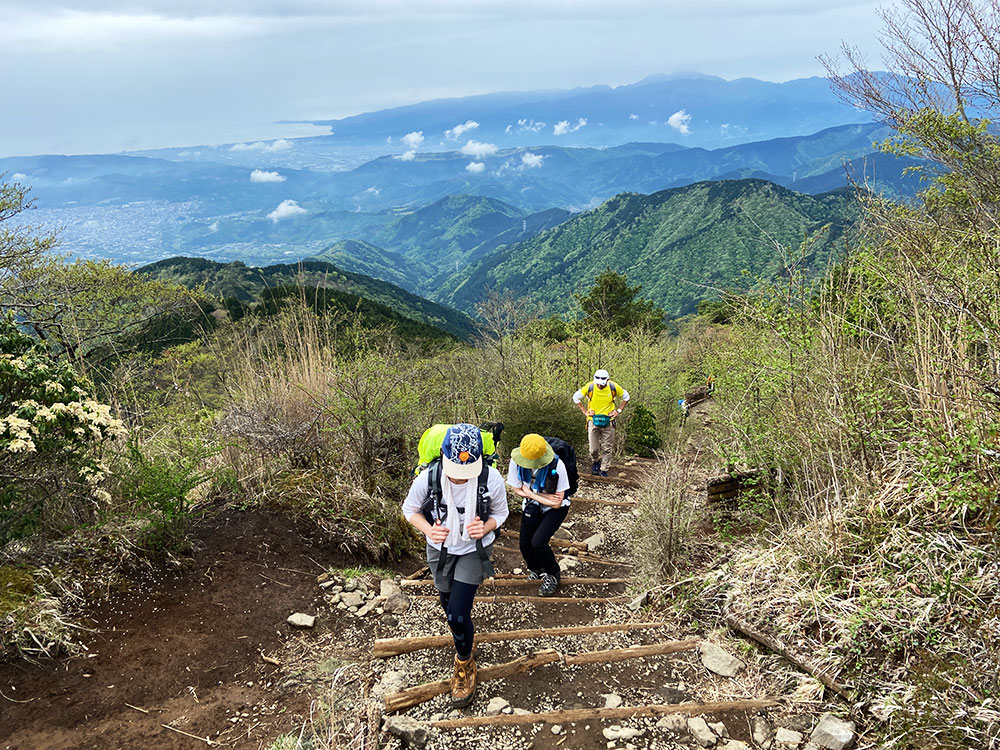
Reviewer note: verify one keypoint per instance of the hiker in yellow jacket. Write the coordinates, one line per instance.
(601, 412)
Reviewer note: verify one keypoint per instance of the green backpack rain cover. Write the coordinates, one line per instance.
(429, 447)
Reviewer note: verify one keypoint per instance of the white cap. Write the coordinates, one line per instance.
(601, 375)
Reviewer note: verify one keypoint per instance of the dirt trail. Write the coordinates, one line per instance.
(182, 647)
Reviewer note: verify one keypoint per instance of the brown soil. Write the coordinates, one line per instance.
(181, 648)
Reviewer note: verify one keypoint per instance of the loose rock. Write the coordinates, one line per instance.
(674, 723)
(734, 745)
(832, 733)
(611, 700)
(787, 739)
(615, 732)
(720, 729)
(300, 620)
(639, 602)
(717, 659)
(387, 588)
(594, 541)
(556, 729)
(762, 735)
(397, 603)
(412, 732)
(698, 728)
(352, 598)
(496, 706)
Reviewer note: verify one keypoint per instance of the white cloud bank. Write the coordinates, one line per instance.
(475, 167)
(563, 127)
(459, 130)
(282, 144)
(412, 141)
(531, 160)
(286, 210)
(259, 175)
(679, 121)
(478, 150)
(633, 116)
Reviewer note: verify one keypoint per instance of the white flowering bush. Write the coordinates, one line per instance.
(51, 437)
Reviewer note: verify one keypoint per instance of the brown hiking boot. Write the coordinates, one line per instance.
(463, 684)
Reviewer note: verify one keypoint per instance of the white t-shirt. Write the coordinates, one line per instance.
(562, 482)
(464, 496)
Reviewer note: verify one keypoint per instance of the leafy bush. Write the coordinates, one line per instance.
(51, 434)
(641, 435)
(547, 415)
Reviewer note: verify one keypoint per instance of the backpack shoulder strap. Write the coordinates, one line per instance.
(433, 502)
(590, 389)
(614, 389)
(483, 493)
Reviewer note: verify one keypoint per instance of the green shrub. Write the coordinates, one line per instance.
(553, 416)
(641, 435)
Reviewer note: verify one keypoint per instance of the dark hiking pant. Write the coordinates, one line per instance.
(457, 605)
(537, 529)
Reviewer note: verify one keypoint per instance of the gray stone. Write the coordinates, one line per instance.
(568, 563)
(717, 659)
(327, 584)
(734, 745)
(720, 729)
(521, 712)
(413, 733)
(496, 706)
(300, 620)
(832, 733)
(366, 608)
(388, 587)
(673, 722)
(397, 603)
(392, 682)
(557, 729)
(594, 541)
(787, 739)
(352, 599)
(611, 700)
(639, 602)
(698, 728)
(762, 735)
(615, 732)
(351, 585)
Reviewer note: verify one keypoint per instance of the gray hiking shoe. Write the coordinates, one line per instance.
(550, 584)
(535, 575)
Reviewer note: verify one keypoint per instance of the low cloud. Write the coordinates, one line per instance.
(475, 167)
(459, 130)
(563, 127)
(213, 227)
(18, 176)
(259, 175)
(530, 160)
(286, 210)
(729, 130)
(633, 116)
(414, 139)
(478, 149)
(373, 190)
(408, 156)
(679, 121)
(282, 144)
(532, 125)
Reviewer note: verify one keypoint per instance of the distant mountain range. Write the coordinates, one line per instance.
(138, 209)
(681, 245)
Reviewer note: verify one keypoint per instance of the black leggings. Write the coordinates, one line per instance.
(457, 605)
(537, 529)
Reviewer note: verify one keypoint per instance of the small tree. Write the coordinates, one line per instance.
(611, 306)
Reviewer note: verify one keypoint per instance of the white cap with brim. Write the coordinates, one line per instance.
(454, 470)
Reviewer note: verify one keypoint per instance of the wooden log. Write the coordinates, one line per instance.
(609, 480)
(421, 693)
(597, 559)
(567, 544)
(632, 652)
(596, 714)
(778, 647)
(724, 496)
(419, 573)
(550, 599)
(385, 647)
(522, 581)
(595, 501)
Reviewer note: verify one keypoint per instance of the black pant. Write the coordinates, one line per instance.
(457, 605)
(537, 529)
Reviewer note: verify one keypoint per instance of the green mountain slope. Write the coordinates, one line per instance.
(682, 245)
(368, 259)
(236, 280)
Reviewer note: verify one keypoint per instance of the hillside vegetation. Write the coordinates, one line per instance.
(681, 245)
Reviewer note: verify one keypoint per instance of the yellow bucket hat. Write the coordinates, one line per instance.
(534, 452)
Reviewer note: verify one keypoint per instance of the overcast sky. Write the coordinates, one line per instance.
(106, 76)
